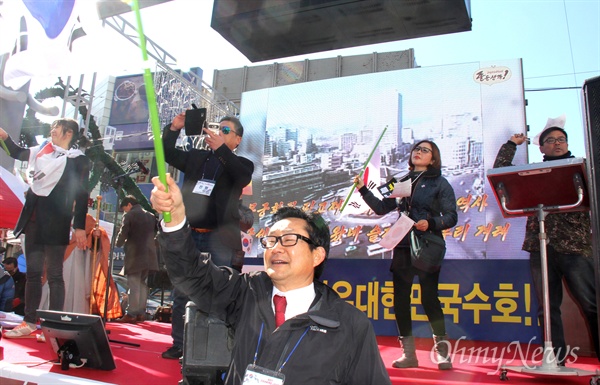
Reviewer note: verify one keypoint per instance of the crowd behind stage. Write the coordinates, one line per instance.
(67, 257)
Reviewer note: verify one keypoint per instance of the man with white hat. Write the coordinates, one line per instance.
(569, 248)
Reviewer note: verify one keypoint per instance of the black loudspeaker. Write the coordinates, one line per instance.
(591, 98)
(207, 346)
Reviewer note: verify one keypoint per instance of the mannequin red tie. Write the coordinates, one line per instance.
(280, 303)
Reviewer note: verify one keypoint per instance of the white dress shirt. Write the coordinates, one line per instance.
(298, 300)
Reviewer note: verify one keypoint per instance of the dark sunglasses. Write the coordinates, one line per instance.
(226, 130)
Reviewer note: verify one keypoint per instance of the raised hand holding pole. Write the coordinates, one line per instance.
(364, 168)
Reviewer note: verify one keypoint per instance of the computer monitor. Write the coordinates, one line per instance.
(77, 339)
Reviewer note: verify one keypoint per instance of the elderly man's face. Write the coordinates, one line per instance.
(292, 267)
(232, 139)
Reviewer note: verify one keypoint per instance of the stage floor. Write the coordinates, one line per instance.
(135, 365)
(26, 361)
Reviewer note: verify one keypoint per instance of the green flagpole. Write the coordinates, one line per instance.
(4, 147)
(152, 108)
(364, 168)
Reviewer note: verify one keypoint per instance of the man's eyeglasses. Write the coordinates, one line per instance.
(424, 150)
(285, 240)
(551, 140)
(226, 130)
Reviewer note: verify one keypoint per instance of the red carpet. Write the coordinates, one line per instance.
(475, 362)
(26, 360)
(135, 365)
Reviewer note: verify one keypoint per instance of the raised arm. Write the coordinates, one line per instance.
(173, 156)
(14, 150)
(507, 152)
(380, 207)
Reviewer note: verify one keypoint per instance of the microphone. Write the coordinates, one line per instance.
(142, 168)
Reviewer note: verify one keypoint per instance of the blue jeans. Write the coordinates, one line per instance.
(221, 255)
(578, 272)
(38, 255)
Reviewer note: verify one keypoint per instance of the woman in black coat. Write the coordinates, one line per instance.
(432, 206)
(55, 202)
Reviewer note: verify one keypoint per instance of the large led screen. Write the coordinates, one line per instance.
(308, 140)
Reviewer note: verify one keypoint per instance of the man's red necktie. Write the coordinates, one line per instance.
(280, 303)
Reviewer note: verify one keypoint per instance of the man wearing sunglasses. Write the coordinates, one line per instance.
(212, 185)
(290, 328)
(569, 249)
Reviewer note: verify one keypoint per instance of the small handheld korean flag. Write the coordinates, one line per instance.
(246, 243)
(371, 179)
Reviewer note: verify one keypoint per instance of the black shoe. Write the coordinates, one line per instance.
(173, 353)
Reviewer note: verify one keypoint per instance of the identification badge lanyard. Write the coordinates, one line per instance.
(205, 186)
(257, 375)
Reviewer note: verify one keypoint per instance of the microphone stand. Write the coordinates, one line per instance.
(119, 179)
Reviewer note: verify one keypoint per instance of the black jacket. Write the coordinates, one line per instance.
(234, 173)
(20, 279)
(432, 199)
(52, 215)
(137, 234)
(339, 346)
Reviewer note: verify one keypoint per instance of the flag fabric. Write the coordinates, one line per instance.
(12, 198)
(36, 33)
(46, 165)
(85, 277)
(52, 15)
(77, 32)
(371, 178)
(54, 38)
(246, 243)
(99, 281)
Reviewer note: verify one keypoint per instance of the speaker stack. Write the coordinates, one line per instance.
(591, 98)
(207, 346)
(591, 95)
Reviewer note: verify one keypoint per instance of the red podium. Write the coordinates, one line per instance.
(540, 189)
